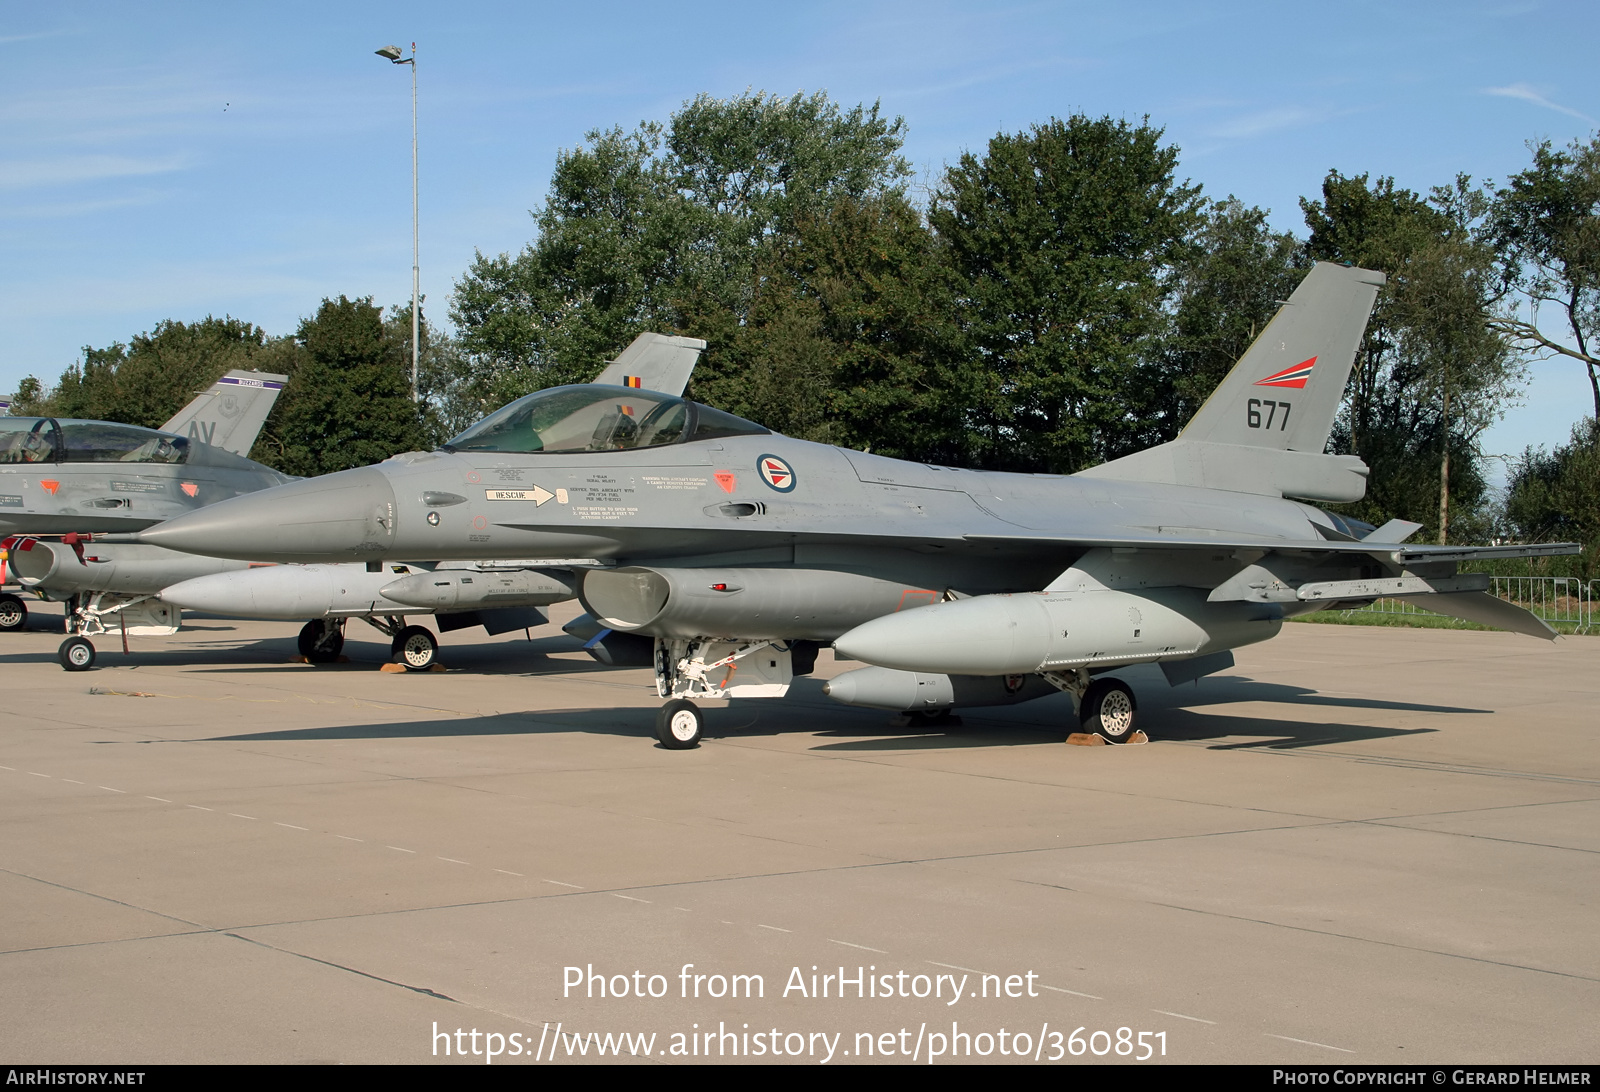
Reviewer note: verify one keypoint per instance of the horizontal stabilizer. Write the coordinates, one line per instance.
(1396, 530)
(229, 415)
(1486, 610)
(654, 362)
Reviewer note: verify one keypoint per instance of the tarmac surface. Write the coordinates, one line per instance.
(1360, 845)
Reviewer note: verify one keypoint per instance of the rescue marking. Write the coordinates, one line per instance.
(726, 479)
(538, 495)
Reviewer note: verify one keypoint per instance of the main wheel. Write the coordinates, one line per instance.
(415, 647)
(1108, 708)
(679, 724)
(321, 641)
(13, 613)
(76, 654)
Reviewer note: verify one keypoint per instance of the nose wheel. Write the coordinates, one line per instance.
(679, 724)
(76, 654)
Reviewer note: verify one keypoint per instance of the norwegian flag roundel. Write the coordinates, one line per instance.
(776, 473)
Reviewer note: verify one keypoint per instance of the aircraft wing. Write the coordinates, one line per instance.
(1402, 555)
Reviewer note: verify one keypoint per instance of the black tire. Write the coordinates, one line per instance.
(321, 641)
(1109, 709)
(679, 724)
(13, 614)
(415, 648)
(76, 654)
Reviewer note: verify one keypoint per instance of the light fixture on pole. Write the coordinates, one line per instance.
(392, 53)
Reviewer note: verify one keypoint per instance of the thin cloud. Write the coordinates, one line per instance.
(76, 208)
(82, 168)
(1528, 94)
(1262, 122)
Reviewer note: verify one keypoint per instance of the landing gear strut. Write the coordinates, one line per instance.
(322, 639)
(711, 668)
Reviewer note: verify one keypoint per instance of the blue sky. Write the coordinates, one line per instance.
(178, 160)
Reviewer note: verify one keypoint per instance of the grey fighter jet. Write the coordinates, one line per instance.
(61, 477)
(740, 552)
(152, 585)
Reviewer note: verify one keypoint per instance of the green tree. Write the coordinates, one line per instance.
(156, 374)
(1062, 242)
(1225, 291)
(1555, 496)
(1546, 222)
(848, 338)
(666, 228)
(1431, 373)
(348, 400)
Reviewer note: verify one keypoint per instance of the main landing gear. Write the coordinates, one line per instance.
(413, 647)
(322, 640)
(1106, 706)
(13, 613)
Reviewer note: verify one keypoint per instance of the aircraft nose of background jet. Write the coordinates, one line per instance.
(348, 516)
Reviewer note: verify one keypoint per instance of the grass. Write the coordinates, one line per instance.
(1412, 621)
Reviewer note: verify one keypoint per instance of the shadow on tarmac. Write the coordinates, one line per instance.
(844, 729)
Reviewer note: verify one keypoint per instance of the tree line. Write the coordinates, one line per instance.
(1059, 298)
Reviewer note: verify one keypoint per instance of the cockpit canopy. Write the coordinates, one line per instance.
(596, 417)
(48, 440)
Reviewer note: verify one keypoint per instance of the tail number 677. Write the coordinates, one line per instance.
(1276, 412)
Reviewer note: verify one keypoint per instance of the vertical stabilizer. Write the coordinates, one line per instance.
(230, 414)
(1265, 428)
(1285, 391)
(654, 362)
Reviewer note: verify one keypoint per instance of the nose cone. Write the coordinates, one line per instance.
(348, 516)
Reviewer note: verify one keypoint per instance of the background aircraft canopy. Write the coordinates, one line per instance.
(46, 440)
(597, 417)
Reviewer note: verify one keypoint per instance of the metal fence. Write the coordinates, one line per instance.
(1557, 599)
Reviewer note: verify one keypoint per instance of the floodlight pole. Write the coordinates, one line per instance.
(393, 54)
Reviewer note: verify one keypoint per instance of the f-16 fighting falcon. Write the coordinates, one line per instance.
(70, 478)
(741, 552)
(500, 596)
